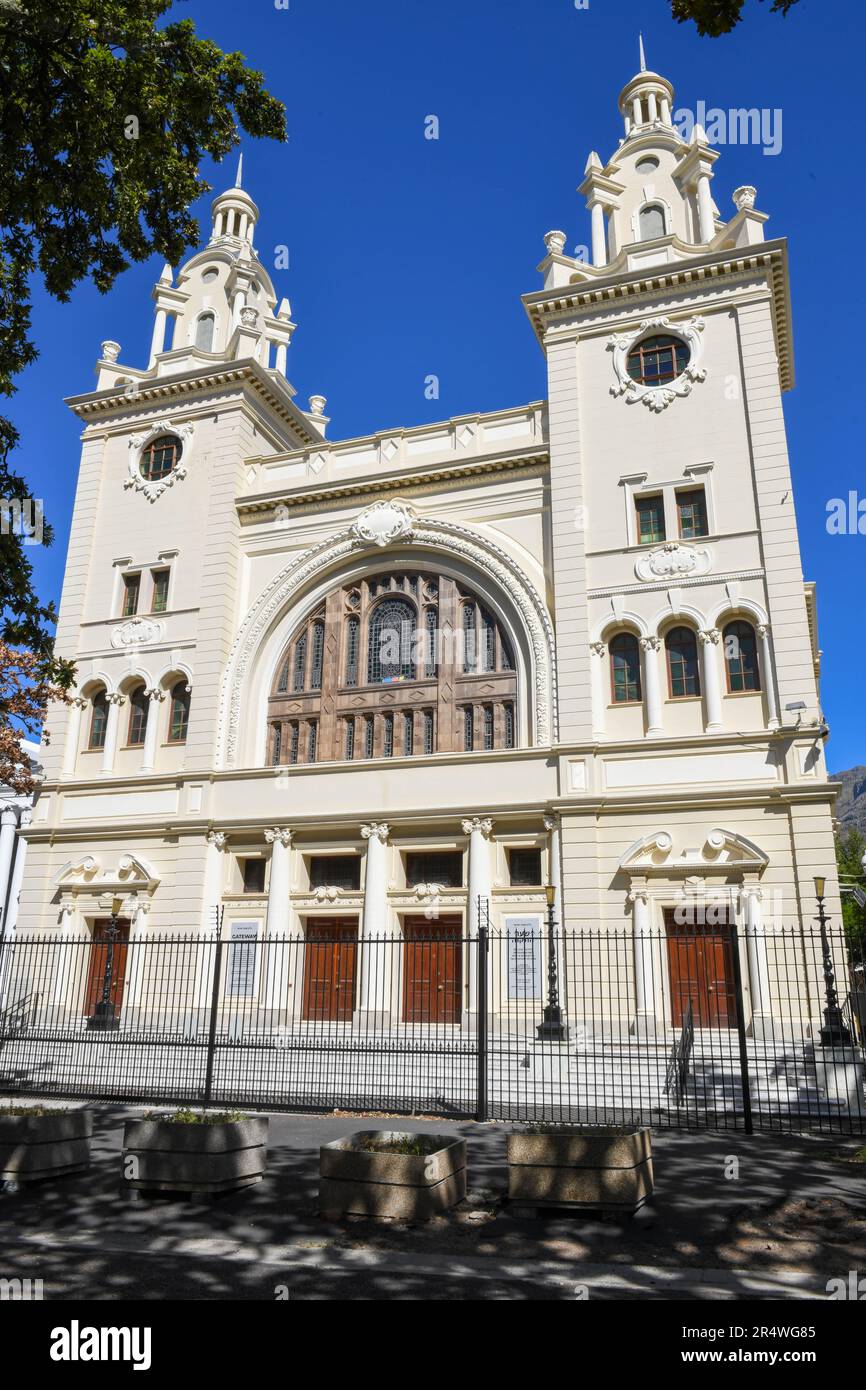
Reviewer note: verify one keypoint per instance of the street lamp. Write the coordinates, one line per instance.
(104, 1015)
(552, 1028)
(834, 1033)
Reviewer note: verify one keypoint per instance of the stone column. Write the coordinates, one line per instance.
(759, 974)
(645, 1023)
(281, 359)
(240, 299)
(16, 877)
(599, 248)
(109, 749)
(598, 652)
(154, 696)
(479, 830)
(551, 825)
(666, 110)
(652, 685)
(138, 909)
(705, 208)
(652, 108)
(8, 826)
(67, 957)
(206, 955)
(636, 113)
(158, 339)
(375, 935)
(73, 734)
(712, 687)
(769, 679)
(277, 923)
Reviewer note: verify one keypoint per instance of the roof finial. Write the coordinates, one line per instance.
(642, 57)
(240, 173)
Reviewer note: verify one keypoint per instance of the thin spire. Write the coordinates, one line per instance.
(240, 173)
(642, 55)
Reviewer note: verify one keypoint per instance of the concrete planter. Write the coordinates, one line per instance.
(33, 1147)
(593, 1169)
(411, 1187)
(159, 1155)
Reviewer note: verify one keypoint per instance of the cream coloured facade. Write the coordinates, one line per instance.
(624, 667)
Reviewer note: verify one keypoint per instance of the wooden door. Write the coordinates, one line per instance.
(700, 961)
(99, 954)
(432, 970)
(329, 968)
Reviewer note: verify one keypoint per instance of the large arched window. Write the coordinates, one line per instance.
(684, 679)
(98, 720)
(651, 221)
(398, 664)
(625, 669)
(741, 657)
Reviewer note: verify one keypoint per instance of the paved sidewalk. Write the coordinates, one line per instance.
(793, 1217)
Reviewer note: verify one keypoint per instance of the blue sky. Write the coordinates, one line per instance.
(408, 256)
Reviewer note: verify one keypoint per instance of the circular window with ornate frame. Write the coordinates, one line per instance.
(658, 361)
(160, 457)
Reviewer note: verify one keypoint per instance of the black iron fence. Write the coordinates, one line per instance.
(706, 1026)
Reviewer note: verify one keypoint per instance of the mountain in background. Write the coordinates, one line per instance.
(851, 805)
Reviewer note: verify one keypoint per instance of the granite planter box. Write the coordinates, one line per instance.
(594, 1169)
(353, 1178)
(208, 1158)
(35, 1146)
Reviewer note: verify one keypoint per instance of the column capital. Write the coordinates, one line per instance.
(377, 830)
(598, 648)
(115, 698)
(763, 629)
(155, 692)
(551, 821)
(709, 634)
(279, 836)
(637, 894)
(8, 815)
(650, 644)
(217, 838)
(482, 825)
(80, 702)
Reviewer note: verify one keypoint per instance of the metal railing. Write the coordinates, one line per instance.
(694, 1026)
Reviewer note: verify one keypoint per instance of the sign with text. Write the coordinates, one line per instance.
(241, 974)
(523, 939)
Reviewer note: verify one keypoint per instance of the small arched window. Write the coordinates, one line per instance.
(353, 630)
(657, 359)
(625, 669)
(684, 677)
(160, 457)
(741, 657)
(204, 331)
(178, 714)
(98, 720)
(138, 707)
(651, 221)
(391, 643)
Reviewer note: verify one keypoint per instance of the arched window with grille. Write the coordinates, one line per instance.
(370, 668)
(684, 678)
(625, 669)
(391, 642)
(741, 657)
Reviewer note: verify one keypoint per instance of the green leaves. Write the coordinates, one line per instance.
(715, 17)
(104, 121)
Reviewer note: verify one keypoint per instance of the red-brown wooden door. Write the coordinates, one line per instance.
(432, 970)
(99, 952)
(330, 960)
(700, 961)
